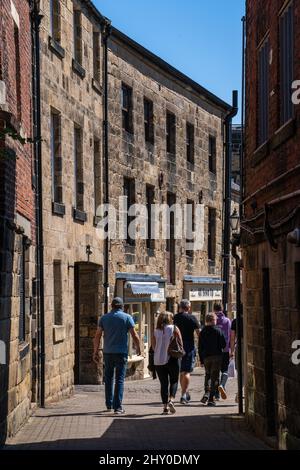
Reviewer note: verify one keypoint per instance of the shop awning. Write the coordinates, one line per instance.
(143, 288)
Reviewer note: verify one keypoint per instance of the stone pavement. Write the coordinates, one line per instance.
(82, 423)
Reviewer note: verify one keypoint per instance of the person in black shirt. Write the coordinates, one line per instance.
(211, 344)
(187, 324)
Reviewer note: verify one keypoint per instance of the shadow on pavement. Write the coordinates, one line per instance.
(214, 432)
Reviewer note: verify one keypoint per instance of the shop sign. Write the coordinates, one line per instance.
(205, 294)
(158, 297)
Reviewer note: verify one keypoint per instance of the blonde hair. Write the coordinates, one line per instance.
(164, 318)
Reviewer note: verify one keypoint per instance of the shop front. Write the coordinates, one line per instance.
(202, 292)
(143, 295)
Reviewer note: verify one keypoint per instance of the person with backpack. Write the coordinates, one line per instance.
(166, 366)
(211, 345)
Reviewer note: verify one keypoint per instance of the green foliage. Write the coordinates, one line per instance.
(10, 132)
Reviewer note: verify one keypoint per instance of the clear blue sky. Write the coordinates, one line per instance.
(201, 38)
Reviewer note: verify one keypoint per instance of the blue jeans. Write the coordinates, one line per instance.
(114, 363)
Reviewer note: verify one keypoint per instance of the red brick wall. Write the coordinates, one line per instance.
(262, 17)
(17, 194)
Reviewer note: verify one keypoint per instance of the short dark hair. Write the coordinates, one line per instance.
(117, 302)
(218, 307)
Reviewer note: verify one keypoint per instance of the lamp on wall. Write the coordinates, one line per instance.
(234, 220)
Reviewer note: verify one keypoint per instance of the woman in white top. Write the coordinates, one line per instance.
(167, 368)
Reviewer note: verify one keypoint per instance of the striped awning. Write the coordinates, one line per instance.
(143, 288)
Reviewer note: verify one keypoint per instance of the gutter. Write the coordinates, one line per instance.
(227, 197)
(35, 25)
(106, 31)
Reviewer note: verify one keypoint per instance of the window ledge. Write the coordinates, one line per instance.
(78, 215)
(55, 47)
(284, 133)
(96, 86)
(260, 153)
(59, 333)
(78, 68)
(58, 208)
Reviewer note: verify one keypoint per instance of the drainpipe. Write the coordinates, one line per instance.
(106, 29)
(36, 18)
(227, 197)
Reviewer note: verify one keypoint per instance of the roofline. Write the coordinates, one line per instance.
(103, 20)
(115, 33)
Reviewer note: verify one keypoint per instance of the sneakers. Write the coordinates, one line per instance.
(204, 399)
(211, 403)
(165, 410)
(119, 411)
(222, 392)
(184, 401)
(171, 407)
(188, 396)
(108, 409)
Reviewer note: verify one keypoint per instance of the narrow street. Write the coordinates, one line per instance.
(82, 423)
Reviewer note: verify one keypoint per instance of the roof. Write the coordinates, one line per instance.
(194, 86)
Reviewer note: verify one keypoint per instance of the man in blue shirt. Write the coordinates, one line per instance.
(115, 326)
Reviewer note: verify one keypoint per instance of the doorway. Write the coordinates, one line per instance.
(88, 289)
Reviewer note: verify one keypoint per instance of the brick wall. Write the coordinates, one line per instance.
(17, 216)
(271, 171)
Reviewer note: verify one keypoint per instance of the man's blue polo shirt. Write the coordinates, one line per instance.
(116, 325)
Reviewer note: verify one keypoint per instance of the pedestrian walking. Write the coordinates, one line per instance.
(224, 324)
(114, 326)
(211, 345)
(188, 325)
(167, 367)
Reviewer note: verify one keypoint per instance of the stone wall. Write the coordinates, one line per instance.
(66, 239)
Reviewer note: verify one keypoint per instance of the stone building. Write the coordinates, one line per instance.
(72, 116)
(17, 220)
(235, 203)
(270, 236)
(165, 146)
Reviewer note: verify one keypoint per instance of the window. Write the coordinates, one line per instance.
(57, 293)
(97, 175)
(77, 36)
(129, 192)
(56, 158)
(78, 157)
(148, 121)
(127, 122)
(211, 235)
(190, 143)
(135, 310)
(286, 31)
(212, 155)
(22, 293)
(263, 92)
(96, 56)
(150, 195)
(190, 225)
(55, 22)
(18, 72)
(171, 133)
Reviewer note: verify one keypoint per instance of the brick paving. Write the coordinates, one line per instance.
(82, 423)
